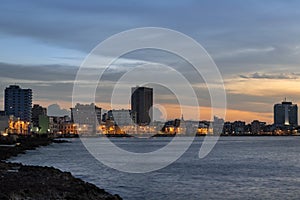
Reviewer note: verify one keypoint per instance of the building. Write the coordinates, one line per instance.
(37, 111)
(227, 128)
(257, 127)
(120, 117)
(2, 113)
(69, 128)
(171, 127)
(43, 125)
(4, 124)
(218, 125)
(55, 124)
(205, 127)
(191, 127)
(87, 116)
(239, 127)
(286, 114)
(141, 104)
(17, 126)
(18, 102)
(86, 113)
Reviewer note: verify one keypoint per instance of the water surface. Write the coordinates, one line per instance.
(237, 168)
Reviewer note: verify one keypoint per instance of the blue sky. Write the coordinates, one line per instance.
(255, 44)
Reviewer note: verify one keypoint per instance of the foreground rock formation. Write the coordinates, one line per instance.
(18, 181)
(29, 182)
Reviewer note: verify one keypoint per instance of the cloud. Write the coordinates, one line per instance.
(258, 75)
(50, 83)
(258, 36)
(159, 113)
(54, 83)
(55, 110)
(42, 73)
(81, 25)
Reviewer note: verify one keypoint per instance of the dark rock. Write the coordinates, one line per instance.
(31, 182)
(18, 181)
(61, 141)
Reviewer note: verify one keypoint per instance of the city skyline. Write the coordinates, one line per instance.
(89, 119)
(55, 109)
(257, 53)
(285, 113)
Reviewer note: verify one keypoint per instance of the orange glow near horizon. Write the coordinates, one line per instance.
(172, 111)
(274, 89)
(265, 87)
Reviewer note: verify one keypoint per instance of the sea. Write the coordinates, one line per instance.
(236, 168)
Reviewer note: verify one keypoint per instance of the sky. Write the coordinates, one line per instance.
(255, 44)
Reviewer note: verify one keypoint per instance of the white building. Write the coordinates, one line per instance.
(121, 117)
(218, 125)
(87, 117)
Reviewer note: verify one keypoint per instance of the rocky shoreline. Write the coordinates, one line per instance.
(41, 183)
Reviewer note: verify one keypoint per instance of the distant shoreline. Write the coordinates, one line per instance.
(179, 135)
(222, 135)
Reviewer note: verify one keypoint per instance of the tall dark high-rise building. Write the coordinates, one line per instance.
(18, 102)
(286, 114)
(141, 103)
